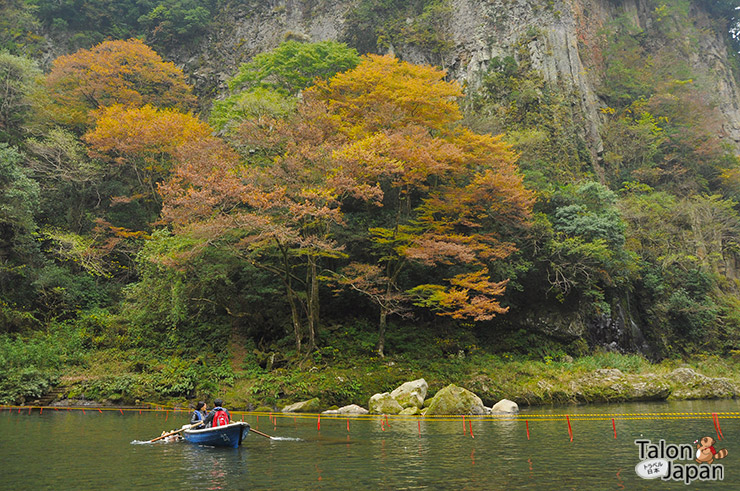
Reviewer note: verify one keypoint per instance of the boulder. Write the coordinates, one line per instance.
(348, 410)
(505, 406)
(612, 385)
(411, 394)
(383, 404)
(309, 406)
(689, 384)
(455, 400)
(410, 411)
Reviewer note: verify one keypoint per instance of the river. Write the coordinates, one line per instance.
(63, 449)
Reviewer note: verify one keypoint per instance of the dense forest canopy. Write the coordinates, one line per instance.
(333, 184)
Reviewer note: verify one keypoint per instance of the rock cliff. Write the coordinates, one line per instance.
(563, 38)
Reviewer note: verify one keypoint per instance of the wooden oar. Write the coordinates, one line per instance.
(187, 427)
(259, 433)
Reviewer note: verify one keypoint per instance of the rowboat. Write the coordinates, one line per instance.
(230, 435)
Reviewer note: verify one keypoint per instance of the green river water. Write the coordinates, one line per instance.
(71, 450)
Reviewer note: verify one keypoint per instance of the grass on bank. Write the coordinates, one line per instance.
(344, 372)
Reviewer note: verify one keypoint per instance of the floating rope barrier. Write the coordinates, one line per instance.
(385, 418)
(715, 416)
(467, 420)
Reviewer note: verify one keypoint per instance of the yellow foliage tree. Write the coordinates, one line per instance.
(113, 72)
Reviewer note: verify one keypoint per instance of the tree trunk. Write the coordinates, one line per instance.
(288, 282)
(381, 331)
(296, 319)
(312, 303)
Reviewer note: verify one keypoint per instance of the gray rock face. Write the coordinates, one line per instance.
(563, 39)
(505, 406)
(348, 410)
(411, 394)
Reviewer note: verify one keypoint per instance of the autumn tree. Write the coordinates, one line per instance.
(449, 195)
(276, 216)
(113, 72)
(379, 140)
(144, 139)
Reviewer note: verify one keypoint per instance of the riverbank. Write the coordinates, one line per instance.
(597, 378)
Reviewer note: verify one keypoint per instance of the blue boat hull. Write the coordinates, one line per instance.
(230, 435)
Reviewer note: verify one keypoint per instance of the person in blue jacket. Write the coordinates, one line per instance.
(199, 414)
(218, 416)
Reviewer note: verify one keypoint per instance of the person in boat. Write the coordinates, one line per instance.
(218, 416)
(200, 413)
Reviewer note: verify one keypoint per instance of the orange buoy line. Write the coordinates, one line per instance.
(467, 426)
(385, 418)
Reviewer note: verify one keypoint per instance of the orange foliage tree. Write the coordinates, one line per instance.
(141, 143)
(113, 72)
(277, 216)
(377, 145)
(450, 196)
(146, 138)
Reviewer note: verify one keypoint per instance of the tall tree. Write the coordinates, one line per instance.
(449, 195)
(19, 80)
(143, 139)
(113, 72)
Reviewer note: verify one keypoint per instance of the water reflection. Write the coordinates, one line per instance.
(35, 450)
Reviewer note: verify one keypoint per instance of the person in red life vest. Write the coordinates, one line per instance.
(218, 416)
(200, 413)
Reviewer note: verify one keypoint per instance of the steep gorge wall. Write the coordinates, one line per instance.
(563, 39)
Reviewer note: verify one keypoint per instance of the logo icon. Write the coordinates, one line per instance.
(705, 452)
(661, 460)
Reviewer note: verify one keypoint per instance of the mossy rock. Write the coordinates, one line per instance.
(383, 404)
(309, 406)
(411, 394)
(614, 386)
(688, 384)
(455, 400)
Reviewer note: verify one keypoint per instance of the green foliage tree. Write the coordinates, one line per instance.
(19, 80)
(585, 248)
(19, 253)
(293, 66)
(19, 200)
(19, 29)
(267, 86)
(163, 22)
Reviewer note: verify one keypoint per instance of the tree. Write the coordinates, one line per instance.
(584, 246)
(144, 138)
(277, 215)
(268, 85)
(378, 141)
(113, 72)
(293, 66)
(69, 180)
(450, 195)
(19, 28)
(19, 80)
(19, 199)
